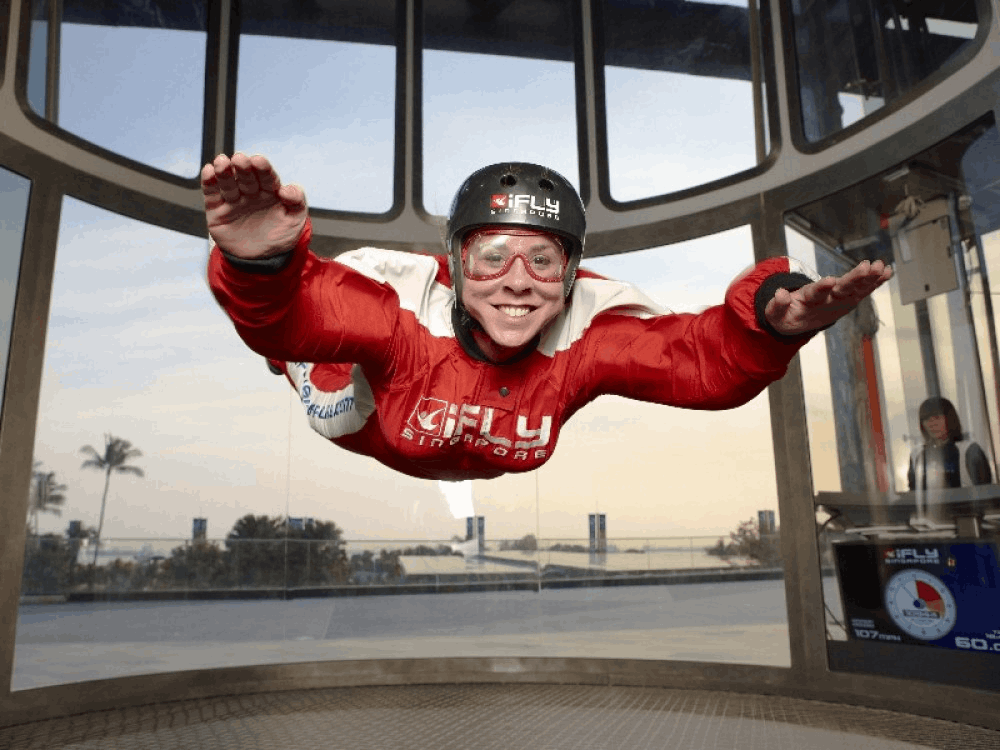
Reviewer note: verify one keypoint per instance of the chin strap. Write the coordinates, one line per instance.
(464, 324)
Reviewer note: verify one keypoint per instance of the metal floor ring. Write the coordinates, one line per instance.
(501, 716)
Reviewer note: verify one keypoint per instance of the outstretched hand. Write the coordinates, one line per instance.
(823, 302)
(250, 214)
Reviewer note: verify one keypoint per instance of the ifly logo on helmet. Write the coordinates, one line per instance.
(523, 203)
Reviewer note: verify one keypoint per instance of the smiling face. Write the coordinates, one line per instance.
(512, 287)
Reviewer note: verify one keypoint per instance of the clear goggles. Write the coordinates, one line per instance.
(490, 253)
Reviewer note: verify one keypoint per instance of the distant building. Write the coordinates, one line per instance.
(765, 522)
(444, 569)
(475, 528)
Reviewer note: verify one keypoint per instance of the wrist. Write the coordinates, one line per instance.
(273, 262)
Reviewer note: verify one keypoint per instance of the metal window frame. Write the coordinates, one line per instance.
(986, 13)
(763, 76)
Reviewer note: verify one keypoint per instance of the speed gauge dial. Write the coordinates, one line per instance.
(920, 604)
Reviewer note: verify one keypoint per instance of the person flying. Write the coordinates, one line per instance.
(467, 365)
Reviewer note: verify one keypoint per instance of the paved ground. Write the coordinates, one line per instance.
(742, 622)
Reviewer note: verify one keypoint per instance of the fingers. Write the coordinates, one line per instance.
(210, 185)
(226, 180)
(853, 286)
(292, 196)
(822, 302)
(861, 280)
(818, 292)
(267, 178)
(246, 178)
(843, 292)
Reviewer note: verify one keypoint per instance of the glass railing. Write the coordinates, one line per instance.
(66, 568)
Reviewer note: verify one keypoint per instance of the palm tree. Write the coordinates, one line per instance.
(36, 467)
(116, 452)
(46, 494)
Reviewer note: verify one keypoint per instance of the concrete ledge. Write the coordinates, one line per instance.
(44, 599)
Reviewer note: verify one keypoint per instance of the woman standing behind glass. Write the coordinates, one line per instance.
(946, 458)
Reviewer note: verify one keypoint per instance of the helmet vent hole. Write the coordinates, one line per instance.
(508, 180)
(546, 185)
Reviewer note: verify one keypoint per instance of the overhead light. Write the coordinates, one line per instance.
(899, 173)
(855, 244)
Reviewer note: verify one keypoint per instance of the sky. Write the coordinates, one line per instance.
(137, 347)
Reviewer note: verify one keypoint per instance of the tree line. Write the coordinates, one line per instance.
(258, 552)
(747, 541)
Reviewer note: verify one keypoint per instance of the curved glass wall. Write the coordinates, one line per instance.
(905, 396)
(684, 94)
(702, 481)
(137, 350)
(247, 540)
(855, 56)
(129, 80)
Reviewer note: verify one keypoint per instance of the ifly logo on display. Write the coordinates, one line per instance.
(523, 203)
(910, 555)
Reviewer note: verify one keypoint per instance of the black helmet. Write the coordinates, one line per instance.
(520, 195)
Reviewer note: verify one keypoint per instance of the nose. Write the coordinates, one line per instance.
(518, 279)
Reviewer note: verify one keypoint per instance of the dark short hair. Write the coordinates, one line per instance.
(936, 406)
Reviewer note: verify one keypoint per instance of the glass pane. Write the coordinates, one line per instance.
(316, 96)
(614, 458)
(245, 530)
(679, 94)
(856, 56)
(131, 80)
(901, 403)
(815, 363)
(37, 55)
(496, 87)
(138, 349)
(14, 192)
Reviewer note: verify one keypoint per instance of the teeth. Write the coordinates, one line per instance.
(514, 312)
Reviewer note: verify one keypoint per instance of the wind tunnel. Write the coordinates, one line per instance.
(246, 565)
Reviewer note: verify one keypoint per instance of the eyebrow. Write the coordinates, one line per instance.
(501, 241)
(548, 246)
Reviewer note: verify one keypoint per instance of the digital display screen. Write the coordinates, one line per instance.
(940, 594)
